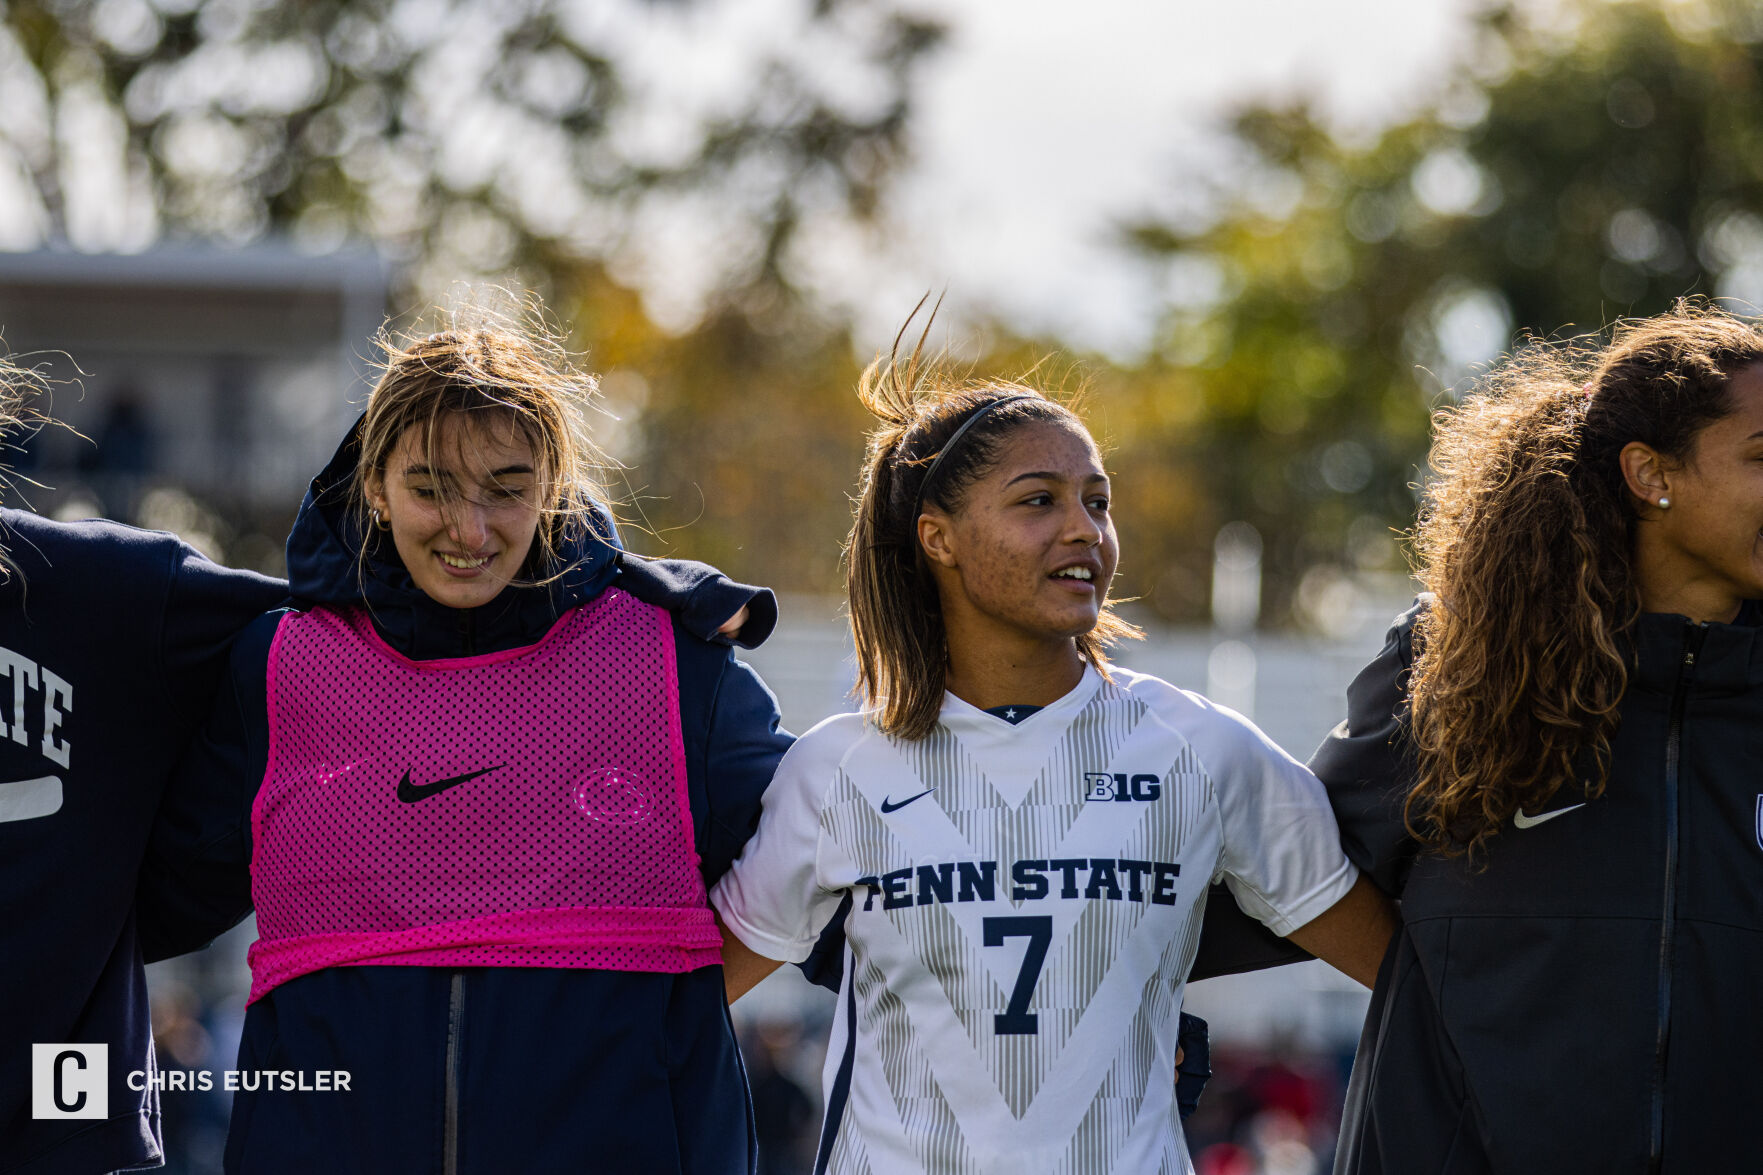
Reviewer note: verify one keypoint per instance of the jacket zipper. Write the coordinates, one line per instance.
(1668, 921)
(450, 1109)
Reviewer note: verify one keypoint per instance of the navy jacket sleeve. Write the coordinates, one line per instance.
(700, 597)
(1232, 943)
(196, 879)
(746, 742)
(1367, 762)
(733, 738)
(188, 888)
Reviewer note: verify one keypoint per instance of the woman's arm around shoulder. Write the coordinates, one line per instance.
(1353, 934)
(735, 728)
(1281, 856)
(195, 880)
(1367, 762)
(772, 903)
(707, 603)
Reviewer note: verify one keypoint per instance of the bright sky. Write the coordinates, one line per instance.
(1039, 126)
(1045, 120)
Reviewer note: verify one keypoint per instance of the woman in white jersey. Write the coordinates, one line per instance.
(1022, 835)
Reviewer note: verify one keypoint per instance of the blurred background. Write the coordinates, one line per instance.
(1268, 237)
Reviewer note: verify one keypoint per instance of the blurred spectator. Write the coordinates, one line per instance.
(1272, 1112)
(1224, 1158)
(783, 1112)
(194, 1120)
(118, 467)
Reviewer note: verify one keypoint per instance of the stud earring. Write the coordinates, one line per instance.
(1664, 503)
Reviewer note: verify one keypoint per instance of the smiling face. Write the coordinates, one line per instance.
(1030, 550)
(463, 511)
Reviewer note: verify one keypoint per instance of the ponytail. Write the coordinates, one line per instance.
(934, 437)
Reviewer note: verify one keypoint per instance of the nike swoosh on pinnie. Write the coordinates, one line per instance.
(412, 792)
(888, 805)
(1520, 820)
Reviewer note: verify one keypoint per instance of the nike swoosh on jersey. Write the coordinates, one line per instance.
(1523, 821)
(412, 792)
(888, 805)
(28, 799)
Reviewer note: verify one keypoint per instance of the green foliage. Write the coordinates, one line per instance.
(749, 435)
(1597, 161)
(464, 137)
(1601, 164)
(523, 140)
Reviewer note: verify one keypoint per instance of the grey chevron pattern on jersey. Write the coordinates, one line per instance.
(963, 792)
(924, 1113)
(853, 823)
(1056, 798)
(994, 830)
(1095, 734)
(1119, 1101)
(1076, 968)
(850, 1156)
(945, 949)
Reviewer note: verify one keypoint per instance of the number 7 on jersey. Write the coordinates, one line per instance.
(1016, 1019)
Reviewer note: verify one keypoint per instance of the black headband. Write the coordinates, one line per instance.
(954, 440)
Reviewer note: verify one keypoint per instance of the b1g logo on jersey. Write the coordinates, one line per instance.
(1120, 788)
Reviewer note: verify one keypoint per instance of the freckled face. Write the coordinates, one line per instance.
(1032, 542)
(463, 512)
(1714, 528)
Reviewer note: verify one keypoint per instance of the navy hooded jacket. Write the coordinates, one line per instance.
(1583, 995)
(460, 1070)
(112, 641)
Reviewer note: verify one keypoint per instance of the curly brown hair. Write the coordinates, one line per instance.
(896, 614)
(1525, 540)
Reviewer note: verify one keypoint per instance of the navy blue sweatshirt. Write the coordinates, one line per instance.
(491, 1069)
(112, 641)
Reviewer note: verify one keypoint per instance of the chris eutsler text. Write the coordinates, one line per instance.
(249, 1080)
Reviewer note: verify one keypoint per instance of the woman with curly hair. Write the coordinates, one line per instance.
(1554, 763)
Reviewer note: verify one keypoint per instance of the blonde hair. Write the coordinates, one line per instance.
(19, 387)
(896, 614)
(494, 371)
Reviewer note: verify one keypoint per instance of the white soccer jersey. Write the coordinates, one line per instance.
(1026, 901)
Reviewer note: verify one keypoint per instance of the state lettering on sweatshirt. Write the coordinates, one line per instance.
(32, 713)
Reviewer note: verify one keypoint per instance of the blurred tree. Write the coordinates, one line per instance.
(1586, 160)
(747, 434)
(464, 137)
(584, 150)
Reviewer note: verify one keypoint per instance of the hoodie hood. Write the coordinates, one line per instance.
(325, 568)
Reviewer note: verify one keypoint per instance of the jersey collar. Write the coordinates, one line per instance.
(965, 718)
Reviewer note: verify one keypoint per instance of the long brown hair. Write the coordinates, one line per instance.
(896, 615)
(1525, 540)
(499, 371)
